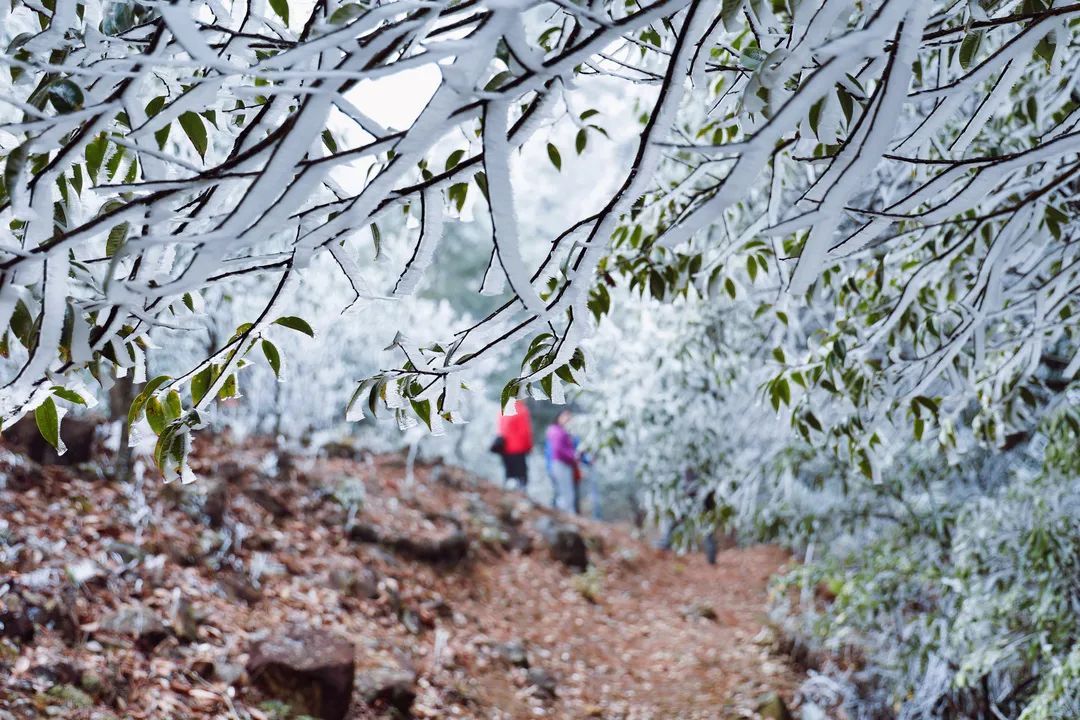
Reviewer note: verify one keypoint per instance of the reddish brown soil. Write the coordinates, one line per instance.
(645, 634)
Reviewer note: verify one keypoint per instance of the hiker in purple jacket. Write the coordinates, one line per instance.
(563, 466)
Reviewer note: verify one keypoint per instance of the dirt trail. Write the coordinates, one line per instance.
(643, 634)
(667, 637)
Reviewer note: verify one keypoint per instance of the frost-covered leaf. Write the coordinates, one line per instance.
(119, 17)
(281, 7)
(969, 47)
(69, 395)
(230, 388)
(346, 13)
(65, 95)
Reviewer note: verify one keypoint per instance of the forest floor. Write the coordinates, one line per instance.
(144, 600)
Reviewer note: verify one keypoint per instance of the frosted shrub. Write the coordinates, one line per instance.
(965, 609)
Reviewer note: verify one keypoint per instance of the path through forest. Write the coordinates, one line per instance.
(149, 601)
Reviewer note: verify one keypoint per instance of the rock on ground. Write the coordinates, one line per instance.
(311, 670)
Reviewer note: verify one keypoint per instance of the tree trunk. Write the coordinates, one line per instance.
(120, 396)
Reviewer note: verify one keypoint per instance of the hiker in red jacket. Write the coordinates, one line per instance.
(516, 441)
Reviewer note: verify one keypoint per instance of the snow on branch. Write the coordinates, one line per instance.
(154, 150)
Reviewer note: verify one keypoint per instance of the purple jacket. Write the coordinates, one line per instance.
(560, 445)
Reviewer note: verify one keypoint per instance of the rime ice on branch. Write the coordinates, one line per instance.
(153, 150)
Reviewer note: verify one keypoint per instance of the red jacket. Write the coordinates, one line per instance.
(516, 430)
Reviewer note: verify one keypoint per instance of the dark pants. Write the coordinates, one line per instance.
(709, 543)
(517, 469)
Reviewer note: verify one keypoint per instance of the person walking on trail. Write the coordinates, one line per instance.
(562, 463)
(515, 442)
(586, 478)
(691, 486)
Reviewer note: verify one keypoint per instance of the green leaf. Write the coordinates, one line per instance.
(155, 414)
(509, 392)
(497, 81)
(230, 389)
(241, 330)
(139, 403)
(117, 238)
(23, 323)
(926, 402)
(273, 357)
(783, 389)
(581, 140)
(346, 13)
(16, 161)
(200, 384)
(162, 135)
(815, 114)
(454, 158)
(565, 374)
(95, 155)
(174, 408)
(751, 58)
(599, 301)
(193, 126)
(553, 155)
(1046, 47)
(119, 18)
(155, 105)
(329, 141)
(48, 422)
(864, 465)
(294, 323)
(376, 239)
(839, 349)
(153, 108)
(70, 395)
(167, 447)
(458, 193)
(377, 390)
(969, 47)
(656, 284)
(847, 103)
(481, 182)
(422, 408)
(281, 7)
(16, 50)
(65, 95)
(349, 416)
